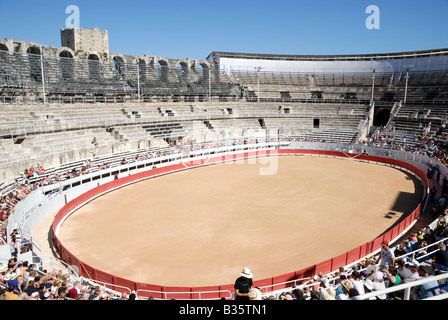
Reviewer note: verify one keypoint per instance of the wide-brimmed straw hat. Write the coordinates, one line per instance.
(11, 276)
(246, 273)
(255, 294)
(329, 293)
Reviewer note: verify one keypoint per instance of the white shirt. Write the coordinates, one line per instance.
(359, 286)
(386, 257)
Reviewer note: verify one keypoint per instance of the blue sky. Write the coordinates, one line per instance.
(194, 28)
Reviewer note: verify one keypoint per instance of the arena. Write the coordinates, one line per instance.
(162, 178)
(232, 216)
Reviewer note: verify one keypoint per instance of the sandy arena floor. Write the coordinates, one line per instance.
(200, 227)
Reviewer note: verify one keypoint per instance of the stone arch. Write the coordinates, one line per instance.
(203, 71)
(119, 65)
(33, 50)
(34, 60)
(151, 67)
(66, 64)
(142, 69)
(183, 71)
(4, 47)
(4, 50)
(162, 70)
(94, 66)
(65, 54)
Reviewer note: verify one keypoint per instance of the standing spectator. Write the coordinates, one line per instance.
(433, 193)
(441, 203)
(387, 256)
(243, 284)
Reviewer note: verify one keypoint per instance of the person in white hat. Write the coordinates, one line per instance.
(35, 296)
(15, 280)
(3, 270)
(243, 285)
(255, 293)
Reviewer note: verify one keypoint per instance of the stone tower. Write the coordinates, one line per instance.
(87, 40)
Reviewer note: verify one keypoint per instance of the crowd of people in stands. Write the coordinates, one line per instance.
(389, 269)
(313, 139)
(23, 281)
(433, 145)
(8, 201)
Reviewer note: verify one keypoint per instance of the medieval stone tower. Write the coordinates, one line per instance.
(87, 40)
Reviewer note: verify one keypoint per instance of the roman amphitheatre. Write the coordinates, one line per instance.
(350, 171)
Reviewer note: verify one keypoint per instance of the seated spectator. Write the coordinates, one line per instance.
(339, 287)
(316, 295)
(428, 289)
(346, 286)
(400, 250)
(31, 288)
(357, 283)
(440, 259)
(11, 293)
(329, 293)
(298, 294)
(414, 275)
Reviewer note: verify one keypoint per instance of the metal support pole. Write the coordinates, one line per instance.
(209, 84)
(42, 73)
(258, 83)
(406, 86)
(138, 80)
(373, 86)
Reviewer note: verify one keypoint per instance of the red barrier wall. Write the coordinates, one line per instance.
(160, 292)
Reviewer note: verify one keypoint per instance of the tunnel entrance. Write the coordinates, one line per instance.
(381, 117)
